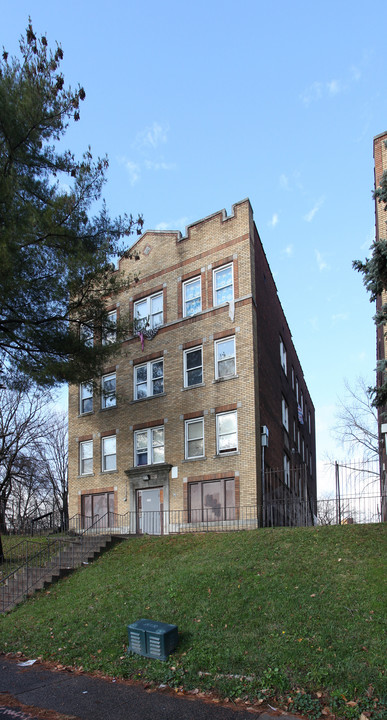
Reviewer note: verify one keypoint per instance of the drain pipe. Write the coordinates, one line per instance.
(264, 443)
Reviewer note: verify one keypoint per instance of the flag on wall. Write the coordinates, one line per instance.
(300, 415)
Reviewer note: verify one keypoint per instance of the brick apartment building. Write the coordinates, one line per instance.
(182, 416)
(380, 159)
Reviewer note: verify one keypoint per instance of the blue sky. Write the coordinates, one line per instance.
(201, 105)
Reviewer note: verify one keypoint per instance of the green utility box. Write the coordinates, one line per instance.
(152, 639)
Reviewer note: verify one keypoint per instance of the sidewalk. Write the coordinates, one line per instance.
(39, 693)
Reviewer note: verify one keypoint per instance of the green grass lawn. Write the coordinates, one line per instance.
(295, 613)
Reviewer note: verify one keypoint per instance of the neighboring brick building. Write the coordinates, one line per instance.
(380, 159)
(178, 424)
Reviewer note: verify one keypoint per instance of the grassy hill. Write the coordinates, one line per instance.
(293, 614)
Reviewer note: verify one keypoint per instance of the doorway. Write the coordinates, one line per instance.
(149, 511)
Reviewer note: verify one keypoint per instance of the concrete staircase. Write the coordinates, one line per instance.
(68, 556)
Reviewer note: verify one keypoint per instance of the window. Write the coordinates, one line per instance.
(194, 438)
(86, 398)
(192, 296)
(283, 357)
(149, 379)
(150, 310)
(226, 433)
(285, 414)
(109, 456)
(109, 334)
(297, 389)
(309, 422)
(193, 366)
(302, 402)
(211, 501)
(223, 285)
(225, 358)
(149, 446)
(292, 378)
(86, 457)
(87, 335)
(108, 391)
(98, 510)
(286, 471)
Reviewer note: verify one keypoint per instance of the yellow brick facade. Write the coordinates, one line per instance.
(166, 261)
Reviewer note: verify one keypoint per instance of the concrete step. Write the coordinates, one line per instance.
(25, 582)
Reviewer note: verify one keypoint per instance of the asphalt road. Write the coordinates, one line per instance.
(40, 693)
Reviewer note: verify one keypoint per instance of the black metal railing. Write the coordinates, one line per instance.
(28, 562)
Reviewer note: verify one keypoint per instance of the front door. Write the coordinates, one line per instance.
(149, 511)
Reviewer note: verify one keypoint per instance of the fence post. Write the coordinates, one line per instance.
(338, 504)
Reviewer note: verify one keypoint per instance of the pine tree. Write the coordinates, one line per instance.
(55, 257)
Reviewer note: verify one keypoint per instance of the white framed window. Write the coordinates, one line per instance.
(226, 432)
(193, 366)
(194, 438)
(225, 358)
(293, 378)
(223, 284)
(297, 389)
(285, 414)
(286, 471)
(149, 379)
(149, 446)
(109, 391)
(109, 332)
(85, 398)
(283, 357)
(109, 453)
(86, 457)
(192, 296)
(150, 310)
(87, 335)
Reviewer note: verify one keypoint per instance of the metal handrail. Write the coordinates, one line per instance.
(16, 583)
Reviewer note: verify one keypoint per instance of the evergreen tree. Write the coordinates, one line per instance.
(55, 257)
(374, 271)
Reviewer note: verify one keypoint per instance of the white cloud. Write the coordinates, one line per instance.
(369, 239)
(339, 317)
(312, 93)
(288, 250)
(284, 182)
(322, 264)
(314, 323)
(133, 170)
(274, 220)
(150, 165)
(152, 136)
(178, 224)
(356, 73)
(318, 90)
(333, 87)
(310, 215)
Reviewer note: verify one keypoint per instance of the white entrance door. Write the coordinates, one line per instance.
(149, 513)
